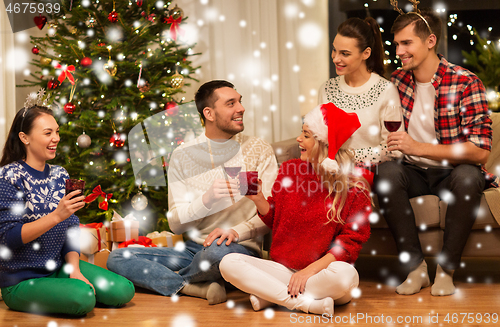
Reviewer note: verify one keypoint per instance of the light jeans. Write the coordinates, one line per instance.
(269, 281)
(166, 270)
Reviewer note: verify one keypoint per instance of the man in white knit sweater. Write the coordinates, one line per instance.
(203, 198)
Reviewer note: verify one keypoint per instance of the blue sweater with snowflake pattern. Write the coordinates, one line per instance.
(26, 195)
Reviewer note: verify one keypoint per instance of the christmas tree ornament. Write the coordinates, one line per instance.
(139, 2)
(66, 72)
(110, 66)
(174, 26)
(35, 50)
(144, 86)
(171, 108)
(177, 81)
(113, 16)
(45, 61)
(179, 140)
(176, 12)
(151, 18)
(73, 30)
(69, 108)
(90, 22)
(117, 140)
(140, 74)
(53, 25)
(139, 201)
(53, 84)
(40, 21)
(86, 61)
(101, 44)
(84, 140)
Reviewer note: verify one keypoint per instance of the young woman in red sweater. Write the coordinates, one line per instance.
(318, 214)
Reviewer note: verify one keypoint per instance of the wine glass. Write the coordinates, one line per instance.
(232, 171)
(392, 118)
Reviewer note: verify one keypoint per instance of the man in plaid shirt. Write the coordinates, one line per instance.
(446, 144)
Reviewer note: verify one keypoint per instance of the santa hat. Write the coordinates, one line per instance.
(332, 126)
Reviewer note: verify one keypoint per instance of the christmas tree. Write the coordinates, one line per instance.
(486, 65)
(111, 67)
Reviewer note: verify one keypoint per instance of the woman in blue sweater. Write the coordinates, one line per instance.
(40, 270)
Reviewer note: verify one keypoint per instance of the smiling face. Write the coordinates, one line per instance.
(225, 119)
(347, 56)
(306, 144)
(411, 49)
(42, 140)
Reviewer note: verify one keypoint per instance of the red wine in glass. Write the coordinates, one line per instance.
(232, 171)
(392, 126)
(75, 184)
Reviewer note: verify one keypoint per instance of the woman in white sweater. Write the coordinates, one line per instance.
(358, 57)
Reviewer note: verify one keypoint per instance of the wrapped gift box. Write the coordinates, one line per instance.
(99, 259)
(92, 238)
(123, 229)
(108, 238)
(164, 239)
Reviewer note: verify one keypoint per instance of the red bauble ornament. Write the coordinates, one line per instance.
(117, 140)
(101, 44)
(35, 50)
(53, 84)
(40, 21)
(113, 16)
(171, 108)
(139, 2)
(178, 140)
(151, 18)
(86, 62)
(69, 108)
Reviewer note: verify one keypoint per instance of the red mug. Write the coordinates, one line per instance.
(75, 184)
(249, 182)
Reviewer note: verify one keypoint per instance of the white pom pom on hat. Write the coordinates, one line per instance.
(332, 126)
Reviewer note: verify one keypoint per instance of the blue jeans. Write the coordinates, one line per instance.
(166, 270)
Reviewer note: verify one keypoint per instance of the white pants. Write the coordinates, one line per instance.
(268, 280)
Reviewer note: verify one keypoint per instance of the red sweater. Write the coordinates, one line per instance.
(297, 217)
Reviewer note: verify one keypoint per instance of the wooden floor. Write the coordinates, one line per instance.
(478, 293)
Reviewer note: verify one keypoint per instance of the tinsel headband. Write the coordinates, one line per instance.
(32, 100)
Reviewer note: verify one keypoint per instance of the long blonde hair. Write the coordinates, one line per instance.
(339, 183)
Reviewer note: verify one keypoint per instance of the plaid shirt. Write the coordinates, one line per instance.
(460, 109)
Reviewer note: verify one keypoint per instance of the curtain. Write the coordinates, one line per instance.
(259, 46)
(7, 77)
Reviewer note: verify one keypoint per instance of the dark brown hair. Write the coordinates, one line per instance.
(205, 96)
(419, 26)
(14, 149)
(367, 34)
